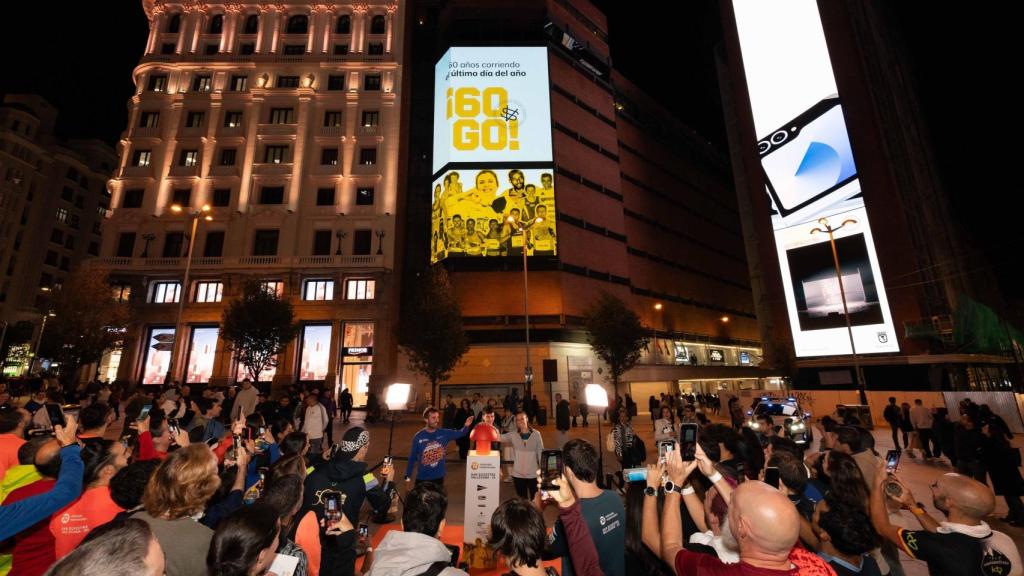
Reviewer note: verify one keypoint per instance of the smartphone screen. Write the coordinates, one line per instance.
(664, 447)
(635, 474)
(364, 530)
(55, 414)
(145, 411)
(212, 442)
(332, 506)
(892, 461)
(688, 442)
(551, 469)
(172, 423)
(771, 476)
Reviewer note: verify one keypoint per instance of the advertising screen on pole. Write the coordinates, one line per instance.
(493, 188)
(811, 181)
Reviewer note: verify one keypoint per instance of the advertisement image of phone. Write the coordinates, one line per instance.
(771, 476)
(688, 442)
(892, 461)
(551, 468)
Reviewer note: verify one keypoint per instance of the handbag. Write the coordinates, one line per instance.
(609, 442)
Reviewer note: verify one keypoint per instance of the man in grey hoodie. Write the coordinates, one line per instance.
(417, 550)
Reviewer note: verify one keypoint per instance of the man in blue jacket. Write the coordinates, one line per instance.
(428, 448)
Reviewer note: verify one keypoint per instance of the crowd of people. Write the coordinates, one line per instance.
(236, 483)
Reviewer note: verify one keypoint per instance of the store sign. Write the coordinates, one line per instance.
(744, 358)
(358, 351)
(716, 355)
(812, 182)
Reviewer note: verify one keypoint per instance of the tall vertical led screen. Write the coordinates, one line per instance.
(810, 174)
(493, 187)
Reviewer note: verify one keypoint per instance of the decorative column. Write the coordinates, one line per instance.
(392, 8)
(259, 29)
(358, 28)
(299, 155)
(156, 24)
(253, 110)
(329, 16)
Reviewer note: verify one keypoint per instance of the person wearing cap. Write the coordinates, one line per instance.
(345, 473)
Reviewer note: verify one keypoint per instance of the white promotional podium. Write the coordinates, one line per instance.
(483, 486)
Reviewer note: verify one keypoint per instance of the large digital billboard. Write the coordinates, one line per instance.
(811, 181)
(493, 188)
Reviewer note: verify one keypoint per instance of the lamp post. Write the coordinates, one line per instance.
(528, 371)
(596, 397)
(183, 292)
(39, 341)
(826, 228)
(654, 331)
(148, 237)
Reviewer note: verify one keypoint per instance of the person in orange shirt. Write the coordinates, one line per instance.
(103, 458)
(12, 436)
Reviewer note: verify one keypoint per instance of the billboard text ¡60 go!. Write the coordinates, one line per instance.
(498, 131)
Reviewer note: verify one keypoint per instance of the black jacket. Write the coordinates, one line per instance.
(562, 416)
(338, 554)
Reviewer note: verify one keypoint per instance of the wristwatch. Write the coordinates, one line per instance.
(670, 486)
(650, 491)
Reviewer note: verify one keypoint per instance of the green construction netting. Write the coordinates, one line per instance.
(977, 328)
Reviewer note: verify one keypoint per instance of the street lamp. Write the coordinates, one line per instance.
(654, 330)
(596, 397)
(397, 398)
(39, 338)
(827, 229)
(521, 228)
(195, 216)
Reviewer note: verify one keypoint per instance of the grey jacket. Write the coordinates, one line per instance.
(408, 554)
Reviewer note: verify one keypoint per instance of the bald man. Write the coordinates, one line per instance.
(762, 524)
(963, 545)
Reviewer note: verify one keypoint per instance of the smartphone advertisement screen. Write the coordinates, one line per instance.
(810, 174)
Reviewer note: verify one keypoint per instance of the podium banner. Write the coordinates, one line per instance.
(483, 486)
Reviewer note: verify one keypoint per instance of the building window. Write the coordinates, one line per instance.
(288, 81)
(93, 249)
(364, 196)
(57, 236)
(265, 243)
(227, 157)
(62, 215)
(318, 290)
(51, 258)
(247, 49)
(252, 24)
(121, 292)
(174, 24)
(69, 242)
(157, 355)
(332, 118)
(173, 244)
(368, 156)
(275, 154)
(298, 24)
(361, 242)
(282, 115)
(214, 246)
(65, 263)
(360, 289)
(294, 50)
(141, 158)
(272, 195)
(274, 287)
(325, 197)
(378, 25)
(158, 83)
(167, 48)
(217, 24)
(344, 25)
(67, 194)
(202, 84)
(208, 292)
(149, 120)
(357, 359)
(371, 118)
(232, 119)
(188, 158)
(238, 83)
(182, 197)
(212, 49)
(315, 358)
(74, 221)
(194, 120)
(125, 245)
(375, 49)
(371, 82)
(340, 50)
(329, 156)
(201, 354)
(165, 292)
(221, 197)
(322, 243)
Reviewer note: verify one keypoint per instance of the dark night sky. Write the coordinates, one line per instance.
(961, 70)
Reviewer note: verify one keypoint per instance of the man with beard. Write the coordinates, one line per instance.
(963, 544)
(761, 523)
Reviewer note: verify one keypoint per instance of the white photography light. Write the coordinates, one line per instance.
(397, 396)
(596, 396)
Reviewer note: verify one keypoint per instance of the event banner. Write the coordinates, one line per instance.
(493, 189)
(811, 181)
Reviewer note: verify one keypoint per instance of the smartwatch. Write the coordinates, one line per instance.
(671, 487)
(650, 491)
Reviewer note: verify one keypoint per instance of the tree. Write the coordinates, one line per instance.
(616, 334)
(85, 321)
(431, 332)
(258, 326)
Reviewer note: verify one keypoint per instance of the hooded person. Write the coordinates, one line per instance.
(346, 474)
(416, 549)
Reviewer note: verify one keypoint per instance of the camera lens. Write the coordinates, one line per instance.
(779, 137)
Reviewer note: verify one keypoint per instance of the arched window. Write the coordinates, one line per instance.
(217, 24)
(377, 25)
(252, 24)
(298, 24)
(344, 25)
(174, 24)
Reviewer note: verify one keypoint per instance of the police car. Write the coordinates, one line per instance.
(785, 413)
